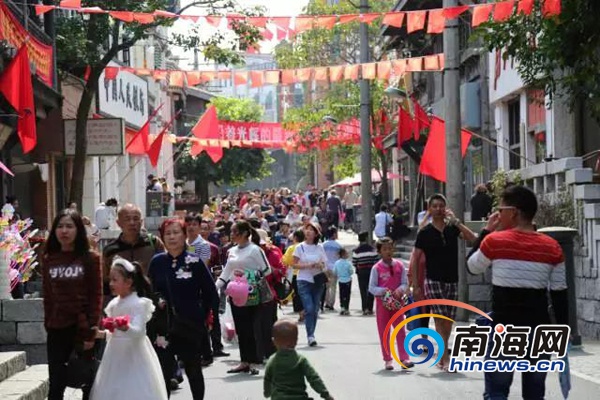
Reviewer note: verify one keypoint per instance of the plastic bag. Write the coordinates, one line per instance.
(227, 326)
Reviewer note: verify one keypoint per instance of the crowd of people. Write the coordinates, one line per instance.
(155, 300)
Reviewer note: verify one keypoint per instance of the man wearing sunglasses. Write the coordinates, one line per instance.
(438, 243)
(526, 265)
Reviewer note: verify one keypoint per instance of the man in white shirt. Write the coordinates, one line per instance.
(105, 214)
(382, 220)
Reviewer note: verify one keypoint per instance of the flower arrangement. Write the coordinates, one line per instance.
(110, 323)
(17, 256)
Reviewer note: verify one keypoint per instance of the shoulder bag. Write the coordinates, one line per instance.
(321, 277)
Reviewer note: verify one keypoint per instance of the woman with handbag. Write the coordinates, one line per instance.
(247, 261)
(186, 287)
(310, 259)
(72, 279)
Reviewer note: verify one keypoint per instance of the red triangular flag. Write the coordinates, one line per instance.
(433, 162)
(88, 71)
(421, 119)
(139, 145)
(16, 85)
(70, 3)
(405, 126)
(154, 150)
(525, 7)
(503, 10)
(208, 125)
(550, 8)
(41, 9)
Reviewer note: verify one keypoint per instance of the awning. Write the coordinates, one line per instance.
(375, 178)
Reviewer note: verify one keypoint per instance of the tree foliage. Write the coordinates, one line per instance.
(560, 54)
(340, 100)
(96, 39)
(238, 164)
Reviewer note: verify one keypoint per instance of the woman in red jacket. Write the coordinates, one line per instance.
(72, 279)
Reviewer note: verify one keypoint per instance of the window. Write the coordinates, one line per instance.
(514, 134)
(126, 57)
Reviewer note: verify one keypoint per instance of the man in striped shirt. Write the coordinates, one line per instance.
(363, 259)
(196, 244)
(525, 265)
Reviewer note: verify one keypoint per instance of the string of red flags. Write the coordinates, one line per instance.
(381, 70)
(431, 20)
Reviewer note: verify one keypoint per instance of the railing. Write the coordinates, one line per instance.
(32, 25)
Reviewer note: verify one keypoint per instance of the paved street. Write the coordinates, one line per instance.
(349, 361)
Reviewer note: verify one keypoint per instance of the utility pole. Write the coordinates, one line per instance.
(365, 129)
(455, 190)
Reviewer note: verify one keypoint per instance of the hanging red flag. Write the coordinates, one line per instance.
(433, 162)
(16, 86)
(154, 150)
(208, 125)
(525, 7)
(437, 21)
(139, 145)
(215, 21)
(550, 8)
(257, 78)
(345, 19)
(405, 126)
(42, 9)
(454, 12)
(70, 3)
(395, 19)
(421, 119)
(481, 14)
(125, 16)
(415, 21)
(503, 10)
(282, 22)
(86, 74)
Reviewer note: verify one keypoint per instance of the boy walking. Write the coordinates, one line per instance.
(286, 369)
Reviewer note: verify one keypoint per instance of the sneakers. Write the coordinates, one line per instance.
(312, 342)
(344, 312)
(389, 366)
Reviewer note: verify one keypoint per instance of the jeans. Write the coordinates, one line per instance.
(497, 384)
(310, 293)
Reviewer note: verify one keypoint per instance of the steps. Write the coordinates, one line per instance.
(404, 249)
(20, 382)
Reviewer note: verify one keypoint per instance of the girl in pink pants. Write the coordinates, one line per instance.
(389, 274)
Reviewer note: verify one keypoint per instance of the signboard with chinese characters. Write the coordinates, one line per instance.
(105, 137)
(125, 97)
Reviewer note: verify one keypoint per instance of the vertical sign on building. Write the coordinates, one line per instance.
(125, 97)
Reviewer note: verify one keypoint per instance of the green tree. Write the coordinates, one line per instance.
(560, 54)
(325, 47)
(96, 39)
(238, 164)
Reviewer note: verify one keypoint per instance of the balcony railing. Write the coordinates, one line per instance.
(33, 25)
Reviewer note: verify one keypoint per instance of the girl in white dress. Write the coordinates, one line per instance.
(130, 368)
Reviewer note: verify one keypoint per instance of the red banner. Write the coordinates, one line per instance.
(259, 133)
(15, 34)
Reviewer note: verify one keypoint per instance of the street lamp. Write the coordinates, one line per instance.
(396, 93)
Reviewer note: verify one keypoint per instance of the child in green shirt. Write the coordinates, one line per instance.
(286, 369)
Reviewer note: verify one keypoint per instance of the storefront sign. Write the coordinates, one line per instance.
(105, 137)
(125, 97)
(15, 34)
